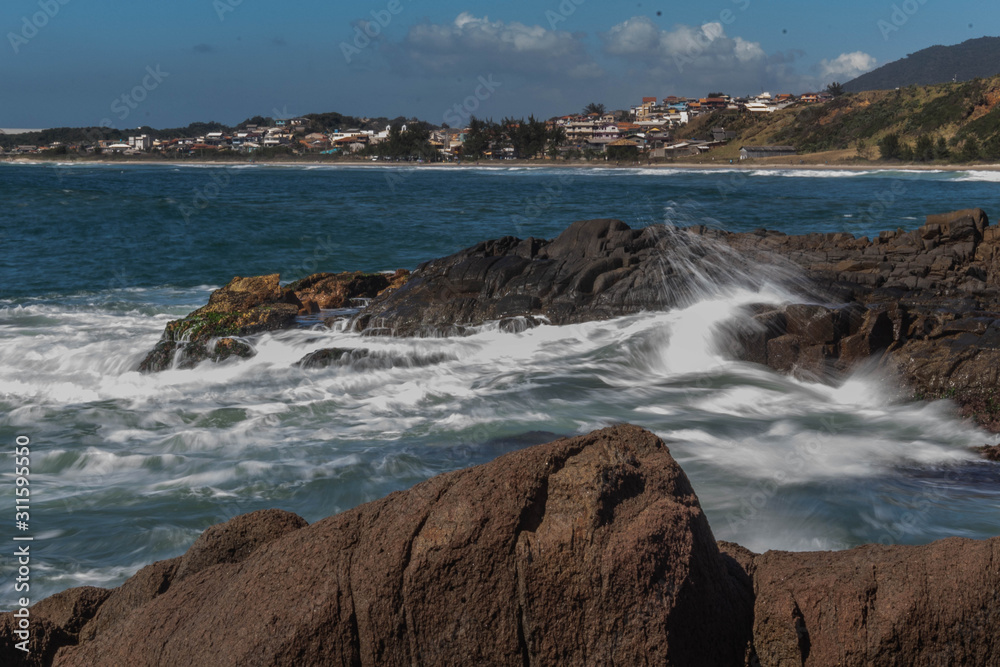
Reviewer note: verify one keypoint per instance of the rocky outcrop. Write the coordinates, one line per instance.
(245, 306)
(586, 550)
(249, 306)
(595, 269)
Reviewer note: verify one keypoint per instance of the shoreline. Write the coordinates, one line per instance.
(777, 166)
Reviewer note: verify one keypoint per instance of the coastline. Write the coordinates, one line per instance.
(762, 165)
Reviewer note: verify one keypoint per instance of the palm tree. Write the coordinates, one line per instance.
(593, 107)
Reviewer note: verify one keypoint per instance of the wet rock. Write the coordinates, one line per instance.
(990, 452)
(589, 550)
(244, 307)
(331, 356)
(595, 269)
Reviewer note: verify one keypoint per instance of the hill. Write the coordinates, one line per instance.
(316, 122)
(937, 64)
(947, 116)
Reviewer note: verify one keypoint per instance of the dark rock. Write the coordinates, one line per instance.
(331, 356)
(54, 622)
(595, 269)
(235, 540)
(990, 452)
(589, 550)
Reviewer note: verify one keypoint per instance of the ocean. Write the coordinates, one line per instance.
(127, 469)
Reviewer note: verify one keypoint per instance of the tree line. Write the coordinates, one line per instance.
(927, 149)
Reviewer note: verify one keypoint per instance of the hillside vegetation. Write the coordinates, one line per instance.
(937, 64)
(955, 122)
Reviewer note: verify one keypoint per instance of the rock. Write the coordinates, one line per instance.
(990, 452)
(244, 294)
(595, 269)
(228, 543)
(588, 550)
(244, 307)
(879, 605)
(331, 356)
(344, 290)
(54, 622)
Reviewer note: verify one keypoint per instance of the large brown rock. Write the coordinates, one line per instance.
(589, 550)
(937, 604)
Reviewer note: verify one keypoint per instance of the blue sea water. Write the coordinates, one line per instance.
(127, 469)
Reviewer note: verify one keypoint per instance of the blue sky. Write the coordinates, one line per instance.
(166, 64)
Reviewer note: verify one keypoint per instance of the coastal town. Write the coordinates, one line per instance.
(647, 129)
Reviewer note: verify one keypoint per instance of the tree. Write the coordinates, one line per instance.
(864, 149)
(970, 150)
(906, 153)
(889, 147)
(716, 94)
(593, 107)
(628, 153)
(555, 138)
(991, 148)
(476, 139)
(941, 151)
(835, 89)
(924, 151)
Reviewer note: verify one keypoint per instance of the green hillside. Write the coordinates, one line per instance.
(951, 118)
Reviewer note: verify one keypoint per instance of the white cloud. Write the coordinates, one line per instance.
(705, 46)
(469, 41)
(846, 66)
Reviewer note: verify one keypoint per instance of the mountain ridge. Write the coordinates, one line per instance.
(973, 58)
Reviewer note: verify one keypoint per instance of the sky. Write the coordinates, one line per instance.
(129, 63)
